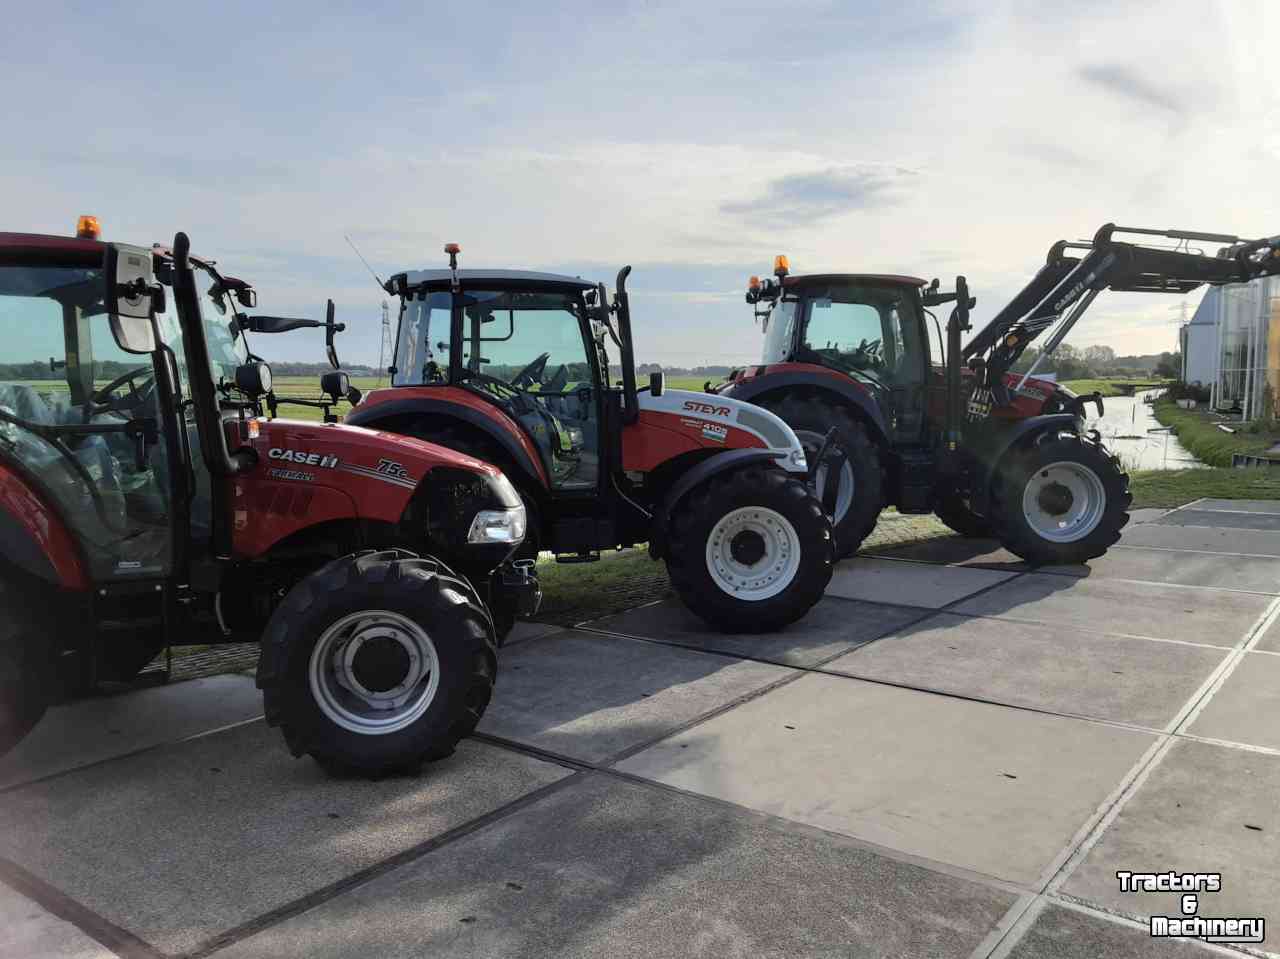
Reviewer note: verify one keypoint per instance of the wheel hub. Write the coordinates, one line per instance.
(1064, 502)
(753, 553)
(1055, 499)
(374, 672)
(747, 547)
(380, 664)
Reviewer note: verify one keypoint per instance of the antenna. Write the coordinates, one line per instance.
(377, 279)
(386, 347)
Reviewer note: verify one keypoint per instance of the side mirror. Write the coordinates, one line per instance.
(335, 385)
(129, 297)
(247, 297)
(254, 379)
(657, 383)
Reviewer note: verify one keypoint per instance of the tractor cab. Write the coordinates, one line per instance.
(515, 341)
(868, 328)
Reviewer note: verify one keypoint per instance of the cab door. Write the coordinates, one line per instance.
(80, 417)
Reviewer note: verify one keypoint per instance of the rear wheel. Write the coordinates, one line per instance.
(1062, 501)
(860, 495)
(26, 665)
(750, 551)
(377, 663)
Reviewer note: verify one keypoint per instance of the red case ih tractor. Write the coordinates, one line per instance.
(141, 497)
(511, 367)
(990, 451)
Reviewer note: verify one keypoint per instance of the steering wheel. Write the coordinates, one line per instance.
(867, 354)
(137, 395)
(532, 373)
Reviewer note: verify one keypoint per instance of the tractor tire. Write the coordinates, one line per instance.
(26, 666)
(951, 509)
(1061, 501)
(378, 663)
(858, 510)
(750, 550)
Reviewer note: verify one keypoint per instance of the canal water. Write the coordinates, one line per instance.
(1126, 426)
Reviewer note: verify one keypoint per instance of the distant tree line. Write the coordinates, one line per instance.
(1094, 362)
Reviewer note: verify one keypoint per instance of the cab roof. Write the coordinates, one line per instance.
(413, 279)
(50, 243)
(855, 278)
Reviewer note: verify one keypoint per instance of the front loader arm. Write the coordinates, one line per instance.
(1066, 286)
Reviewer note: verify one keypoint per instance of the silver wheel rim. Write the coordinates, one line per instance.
(768, 563)
(812, 443)
(1064, 502)
(339, 672)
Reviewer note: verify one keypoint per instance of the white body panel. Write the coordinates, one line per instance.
(722, 410)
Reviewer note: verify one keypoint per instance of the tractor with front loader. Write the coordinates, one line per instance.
(144, 497)
(992, 452)
(511, 367)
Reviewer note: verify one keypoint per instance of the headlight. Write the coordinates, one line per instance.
(498, 526)
(798, 460)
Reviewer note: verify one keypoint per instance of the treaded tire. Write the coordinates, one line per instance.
(950, 508)
(420, 589)
(1012, 474)
(815, 416)
(696, 517)
(26, 665)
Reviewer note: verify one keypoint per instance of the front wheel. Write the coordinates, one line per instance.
(1060, 502)
(377, 663)
(750, 551)
(26, 665)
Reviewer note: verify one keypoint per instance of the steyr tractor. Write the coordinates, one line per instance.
(143, 497)
(992, 452)
(511, 367)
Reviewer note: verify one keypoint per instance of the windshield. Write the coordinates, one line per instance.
(422, 341)
(870, 332)
(777, 334)
(228, 348)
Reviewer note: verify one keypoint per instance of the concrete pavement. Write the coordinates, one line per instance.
(952, 755)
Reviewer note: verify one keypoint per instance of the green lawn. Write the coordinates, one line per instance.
(1169, 488)
(1197, 430)
(1113, 386)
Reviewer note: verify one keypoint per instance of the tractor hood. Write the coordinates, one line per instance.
(720, 421)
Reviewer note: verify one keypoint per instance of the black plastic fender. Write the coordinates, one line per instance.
(719, 463)
(989, 451)
(756, 386)
(371, 417)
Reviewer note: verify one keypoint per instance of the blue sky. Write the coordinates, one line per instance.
(692, 140)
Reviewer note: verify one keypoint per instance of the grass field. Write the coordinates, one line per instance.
(1113, 386)
(1171, 488)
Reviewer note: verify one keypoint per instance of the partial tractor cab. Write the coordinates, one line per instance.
(143, 496)
(991, 451)
(512, 367)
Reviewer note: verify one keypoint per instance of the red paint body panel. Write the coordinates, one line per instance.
(749, 373)
(54, 244)
(462, 397)
(1024, 405)
(282, 496)
(25, 505)
(656, 437)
